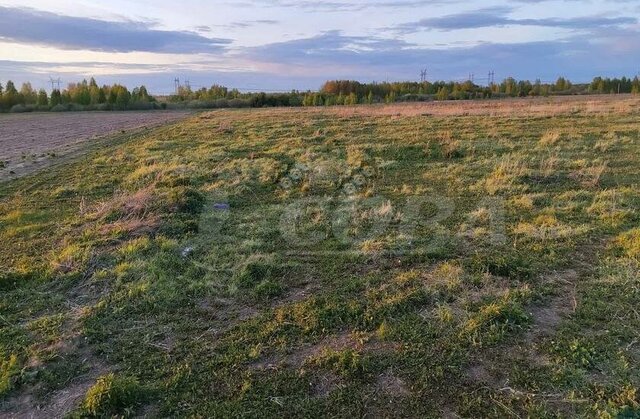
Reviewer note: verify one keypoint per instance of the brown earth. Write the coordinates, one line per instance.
(29, 142)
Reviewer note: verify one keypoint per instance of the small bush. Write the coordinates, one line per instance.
(19, 109)
(112, 396)
(60, 108)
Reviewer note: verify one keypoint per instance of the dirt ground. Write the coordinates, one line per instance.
(29, 142)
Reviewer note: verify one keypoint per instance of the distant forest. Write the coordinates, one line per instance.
(87, 95)
(84, 96)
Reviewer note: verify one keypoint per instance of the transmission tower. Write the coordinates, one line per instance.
(423, 75)
(176, 83)
(54, 82)
(491, 78)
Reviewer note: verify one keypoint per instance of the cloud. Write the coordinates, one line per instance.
(306, 63)
(498, 17)
(244, 24)
(349, 5)
(66, 32)
(332, 55)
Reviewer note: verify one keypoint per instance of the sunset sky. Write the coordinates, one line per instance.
(287, 44)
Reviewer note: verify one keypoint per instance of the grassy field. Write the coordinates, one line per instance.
(340, 262)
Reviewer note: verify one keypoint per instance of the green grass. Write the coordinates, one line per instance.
(305, 264)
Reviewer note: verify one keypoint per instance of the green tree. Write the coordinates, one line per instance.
(562, 85)
(102, 97)
(43, 99)
(140, 94)
(28, 96)
(56, 98)
(10, 96)
(122, 97)
(391, 97)
(509, 87)
(94, 92)
(443, 93)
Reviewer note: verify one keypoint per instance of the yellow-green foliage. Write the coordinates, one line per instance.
(550, 138)
(629, 243)
(9, 368)
(112, 395)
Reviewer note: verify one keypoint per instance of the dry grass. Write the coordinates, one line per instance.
(590, 175)
(449, 145)
(596, 105)
(127, 205)
(550, 138)
(506, 174)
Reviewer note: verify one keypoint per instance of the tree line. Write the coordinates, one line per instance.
(349, 92)
(86, 95)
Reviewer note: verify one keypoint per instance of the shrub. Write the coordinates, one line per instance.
(239, 103)
(19, 109)
(60, 108)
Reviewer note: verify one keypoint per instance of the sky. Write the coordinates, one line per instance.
(279, 45)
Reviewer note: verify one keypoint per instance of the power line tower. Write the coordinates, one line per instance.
(187, 84)
(54, 82)
(471, 76)
(491, 79)
(423, 75)
(176, 83)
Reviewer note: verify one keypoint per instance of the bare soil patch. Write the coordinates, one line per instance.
(29, 142)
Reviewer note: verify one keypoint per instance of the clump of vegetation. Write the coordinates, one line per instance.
(113, 395)
(629, 243)
(506, 174)
(9, 369)
(347, 363)
(450, 147)
(550, 138)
